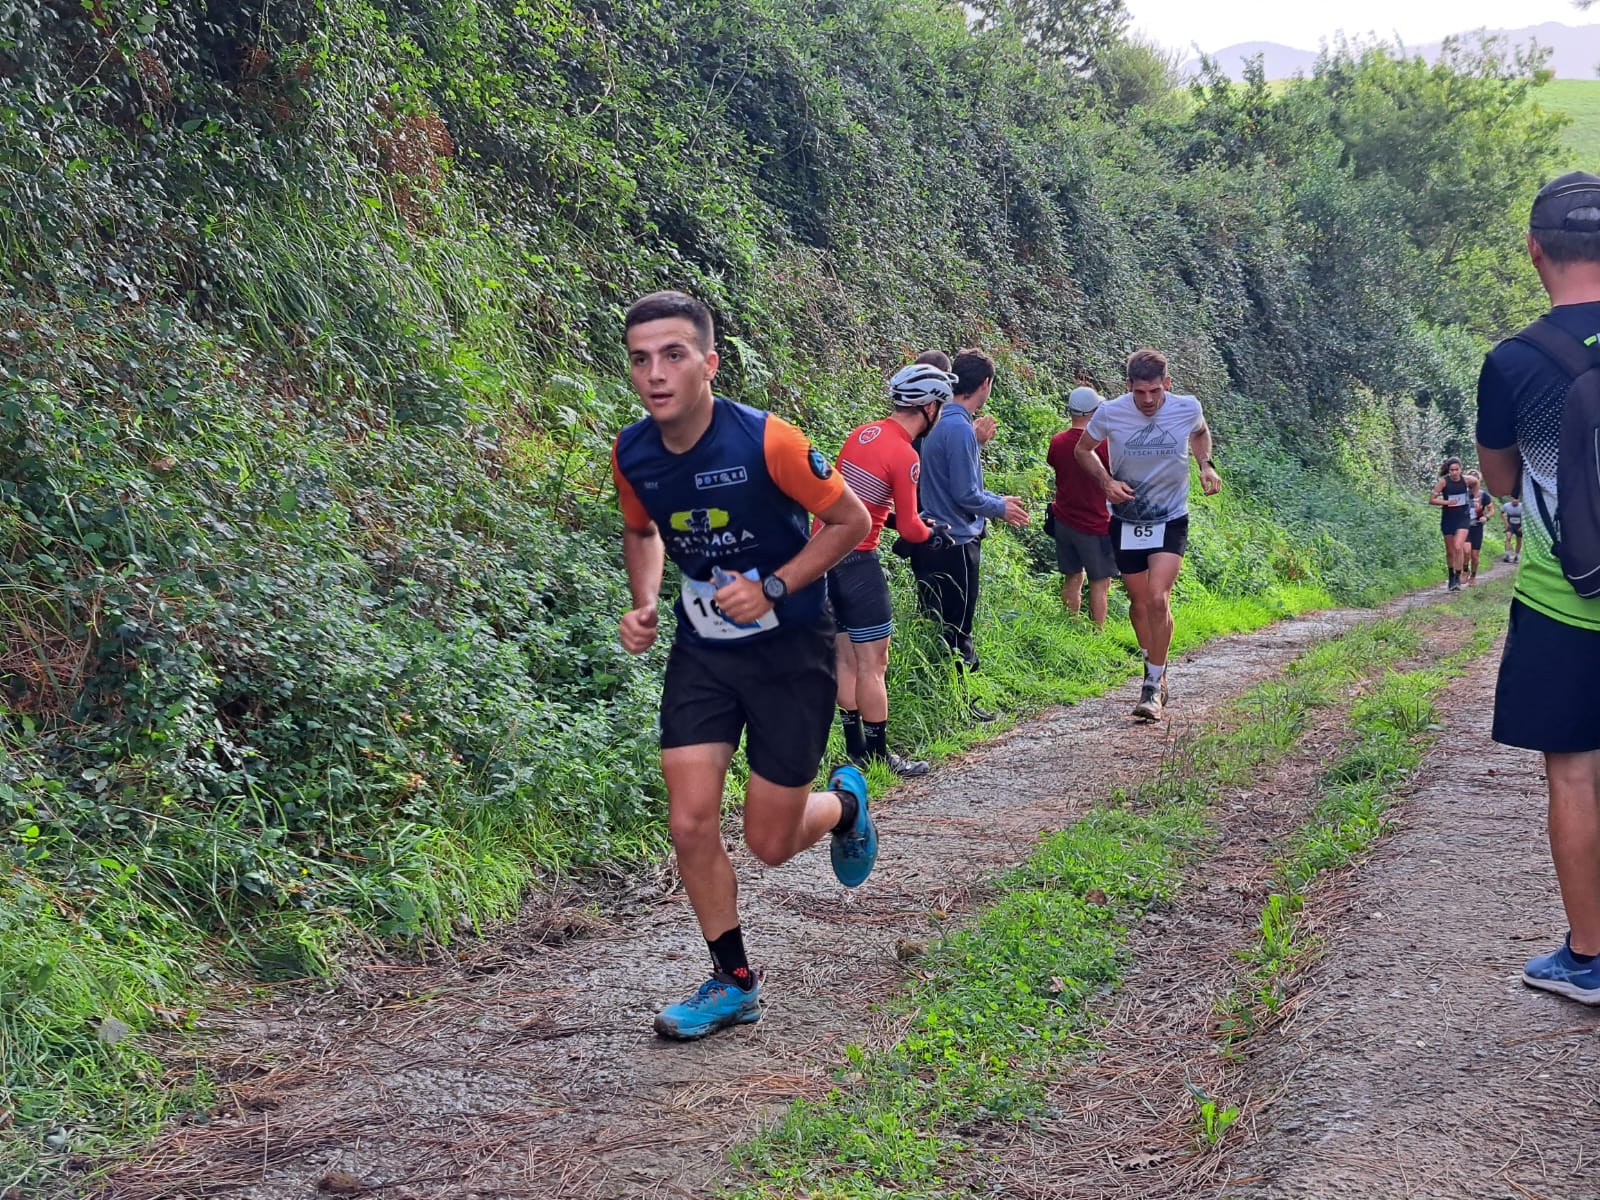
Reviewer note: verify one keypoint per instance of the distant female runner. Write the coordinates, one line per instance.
(1455, 518)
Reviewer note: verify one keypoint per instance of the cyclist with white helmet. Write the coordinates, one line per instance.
(881, 467)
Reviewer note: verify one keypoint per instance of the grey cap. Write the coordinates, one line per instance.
(1084, 400)
(1571, 203)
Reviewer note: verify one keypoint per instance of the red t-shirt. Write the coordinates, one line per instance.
(1080, 501)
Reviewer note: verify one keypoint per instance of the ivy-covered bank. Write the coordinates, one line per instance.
(309, 364)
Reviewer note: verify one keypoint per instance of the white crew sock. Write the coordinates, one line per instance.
(1153, 673)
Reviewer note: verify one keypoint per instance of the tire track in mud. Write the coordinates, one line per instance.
(531, 1071)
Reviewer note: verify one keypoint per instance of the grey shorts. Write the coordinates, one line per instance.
(1087, 552)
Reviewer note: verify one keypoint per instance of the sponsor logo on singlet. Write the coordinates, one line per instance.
(721, 477)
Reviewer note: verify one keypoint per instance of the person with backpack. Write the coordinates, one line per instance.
(1538, 436)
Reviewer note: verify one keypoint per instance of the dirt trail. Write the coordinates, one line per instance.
(1418, 1065)
(527, 1070)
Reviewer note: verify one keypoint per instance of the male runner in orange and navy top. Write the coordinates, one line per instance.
(881, 467)
(723, 490)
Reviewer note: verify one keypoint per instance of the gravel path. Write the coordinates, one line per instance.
(524, 1070)
(1418, 1064)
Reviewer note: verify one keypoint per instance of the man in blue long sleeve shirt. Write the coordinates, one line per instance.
(953, 493)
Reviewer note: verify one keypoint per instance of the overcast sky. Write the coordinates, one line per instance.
(1177, 23)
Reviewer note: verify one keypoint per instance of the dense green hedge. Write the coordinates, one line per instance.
(309, 364)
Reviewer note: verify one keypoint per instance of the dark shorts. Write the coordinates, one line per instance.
(779, 688)
(1514, 529)
(1475, 536)
(1544, 699)
(1453, 520)
(1087, 552)
(1132, 562)
(860, 596)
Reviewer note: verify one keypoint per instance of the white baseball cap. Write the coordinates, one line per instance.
(1084, 400)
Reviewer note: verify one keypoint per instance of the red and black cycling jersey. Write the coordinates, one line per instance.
(882, 469)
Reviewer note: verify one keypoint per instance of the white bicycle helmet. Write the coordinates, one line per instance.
(918, 384)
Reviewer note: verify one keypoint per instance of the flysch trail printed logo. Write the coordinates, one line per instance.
(1153, 439)
(722, 477)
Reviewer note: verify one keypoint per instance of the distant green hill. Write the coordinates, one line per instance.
(1580, 100)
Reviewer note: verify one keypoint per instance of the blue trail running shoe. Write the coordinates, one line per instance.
(1564, 975)
(716, 1004)
(854, 851)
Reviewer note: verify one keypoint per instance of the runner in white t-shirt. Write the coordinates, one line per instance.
(1151, 433)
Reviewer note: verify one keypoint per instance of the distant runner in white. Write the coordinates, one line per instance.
(1151, 433)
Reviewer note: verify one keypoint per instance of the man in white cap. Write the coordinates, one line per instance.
(1078, 517)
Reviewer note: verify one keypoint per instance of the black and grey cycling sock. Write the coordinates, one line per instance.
(727, 958)
(877, 736)
(855, 738)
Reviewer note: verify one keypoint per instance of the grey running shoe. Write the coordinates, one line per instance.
(1150, 701)
(906, 768)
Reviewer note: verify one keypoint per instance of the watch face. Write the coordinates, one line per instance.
(774, 588)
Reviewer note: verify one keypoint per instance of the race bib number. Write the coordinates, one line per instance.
(1144, 535)
(1455, 501)
(707, 620)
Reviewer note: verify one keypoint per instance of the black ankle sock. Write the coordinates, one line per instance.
(727, 958)
(855, 738)
(849, 806)
(1583, 960)
(877, 738)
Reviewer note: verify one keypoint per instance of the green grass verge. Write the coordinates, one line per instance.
(1394, 726)
(1000, 1004)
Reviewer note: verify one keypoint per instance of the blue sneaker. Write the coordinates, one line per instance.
(855, 851)
(716, 1004)
(1562, 974)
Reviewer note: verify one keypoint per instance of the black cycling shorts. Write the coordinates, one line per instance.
(1132, 562)
(1475, 536)
(779, 688)
(1544, 698)
(860, 596)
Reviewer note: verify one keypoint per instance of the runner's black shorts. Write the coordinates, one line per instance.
(778, 689)
(1544, 699)
(1453, 520)
(1132, 562)
(1087, 552)
(1475, 536)
(860, 595)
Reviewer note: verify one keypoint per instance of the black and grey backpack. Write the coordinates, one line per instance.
(1575, 531)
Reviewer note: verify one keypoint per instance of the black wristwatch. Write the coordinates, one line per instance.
(774, 588)
(1206, 462)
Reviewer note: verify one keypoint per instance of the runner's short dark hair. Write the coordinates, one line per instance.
(933, 358)
(972, 368)
(1566, 246)
(1146, 366)
(663, 306)
(1565, 221)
